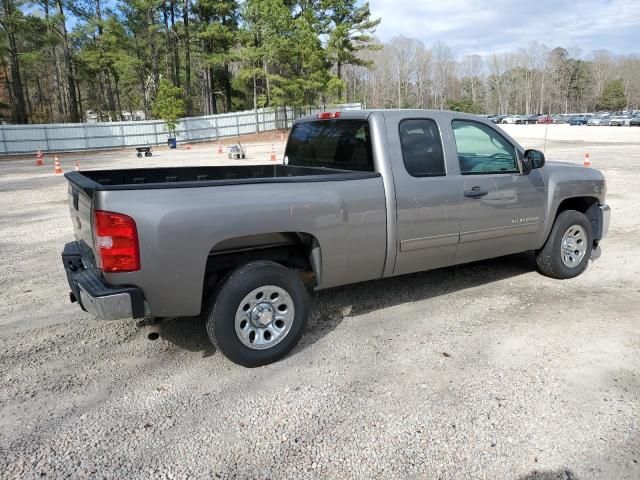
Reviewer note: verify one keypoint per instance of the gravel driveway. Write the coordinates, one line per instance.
(488, 370)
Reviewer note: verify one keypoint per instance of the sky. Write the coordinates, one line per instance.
(497, 26)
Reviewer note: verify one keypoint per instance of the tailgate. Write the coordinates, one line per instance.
(80, 207)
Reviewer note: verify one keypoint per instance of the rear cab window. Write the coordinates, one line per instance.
(343, 144)
(422, 152)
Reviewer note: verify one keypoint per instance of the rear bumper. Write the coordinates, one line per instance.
(103, 301)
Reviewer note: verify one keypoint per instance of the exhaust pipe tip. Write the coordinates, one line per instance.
(153, 333)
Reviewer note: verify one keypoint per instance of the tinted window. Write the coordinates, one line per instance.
(341, 144)
(483, 150)
(421, 148)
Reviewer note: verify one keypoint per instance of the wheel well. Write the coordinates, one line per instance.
(297, 250)
(588, 206)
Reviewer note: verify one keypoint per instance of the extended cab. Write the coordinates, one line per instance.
(358, 196)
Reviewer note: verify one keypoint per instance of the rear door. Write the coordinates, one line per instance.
(426, 193)
(501, 208)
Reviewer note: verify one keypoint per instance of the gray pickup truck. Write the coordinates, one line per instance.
(358, 196)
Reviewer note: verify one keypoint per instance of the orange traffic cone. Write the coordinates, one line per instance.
(39, 159)
(76, 166)
(273, 153)
(187, 146)
(57, 170)
(219, 148)
(587, 160)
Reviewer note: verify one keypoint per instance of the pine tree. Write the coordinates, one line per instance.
(351, 31)
(169, 105)
(613, 97)
(217, 30)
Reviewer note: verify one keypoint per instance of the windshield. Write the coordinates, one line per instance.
(340, 144)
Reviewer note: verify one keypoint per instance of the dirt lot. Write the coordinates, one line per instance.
(488, 370)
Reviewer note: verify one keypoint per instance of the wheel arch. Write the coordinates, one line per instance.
(300, 250)
(587, 205)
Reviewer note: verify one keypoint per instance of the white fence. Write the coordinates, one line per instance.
(68, 137)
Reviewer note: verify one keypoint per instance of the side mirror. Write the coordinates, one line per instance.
(534, 159)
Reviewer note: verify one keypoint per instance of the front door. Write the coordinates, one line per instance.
(501, 208)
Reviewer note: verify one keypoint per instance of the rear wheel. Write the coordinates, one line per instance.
(568, 249)
(258, 313)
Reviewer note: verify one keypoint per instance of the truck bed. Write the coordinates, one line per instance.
(184, 177)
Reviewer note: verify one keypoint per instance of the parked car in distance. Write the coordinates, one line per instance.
(359, 195)
(635, 121)
(599, 120)
(578, 120)
(559, 119)
(530, 119)
(619, 121)
(512, 120)
(545, 119)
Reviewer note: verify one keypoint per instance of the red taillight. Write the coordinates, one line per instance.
(328, 115)
(116, 241)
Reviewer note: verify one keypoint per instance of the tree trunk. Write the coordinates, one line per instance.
(8, 84)
(80, 109)
(111, 103)
(167, 41)
(60, 97)
(20, 109)
(74, 116)
(141, 78)
(227, 86)
(255, 104)
(212, 93)
(19, 103)
(176, 46)
(266, 79)
(187, 59)
(339, 75)
(155, 68)
(28, 99)
(116, 81)
(56, 70)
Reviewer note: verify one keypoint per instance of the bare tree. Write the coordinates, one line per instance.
(442, 70)
(472, 68)
(602, 63)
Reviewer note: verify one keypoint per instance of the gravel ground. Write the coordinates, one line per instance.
(488, 370)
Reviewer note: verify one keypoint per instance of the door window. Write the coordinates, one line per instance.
(421, 148)
(482, 150)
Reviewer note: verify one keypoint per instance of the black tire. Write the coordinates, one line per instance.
(139, 155)
(230, 294)
(549, 258)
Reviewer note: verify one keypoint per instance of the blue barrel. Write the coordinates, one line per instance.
(172, 142)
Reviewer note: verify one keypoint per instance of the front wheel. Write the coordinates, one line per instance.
(568, 249)
(258, 313)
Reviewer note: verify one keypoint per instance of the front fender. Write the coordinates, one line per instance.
(570, 184)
